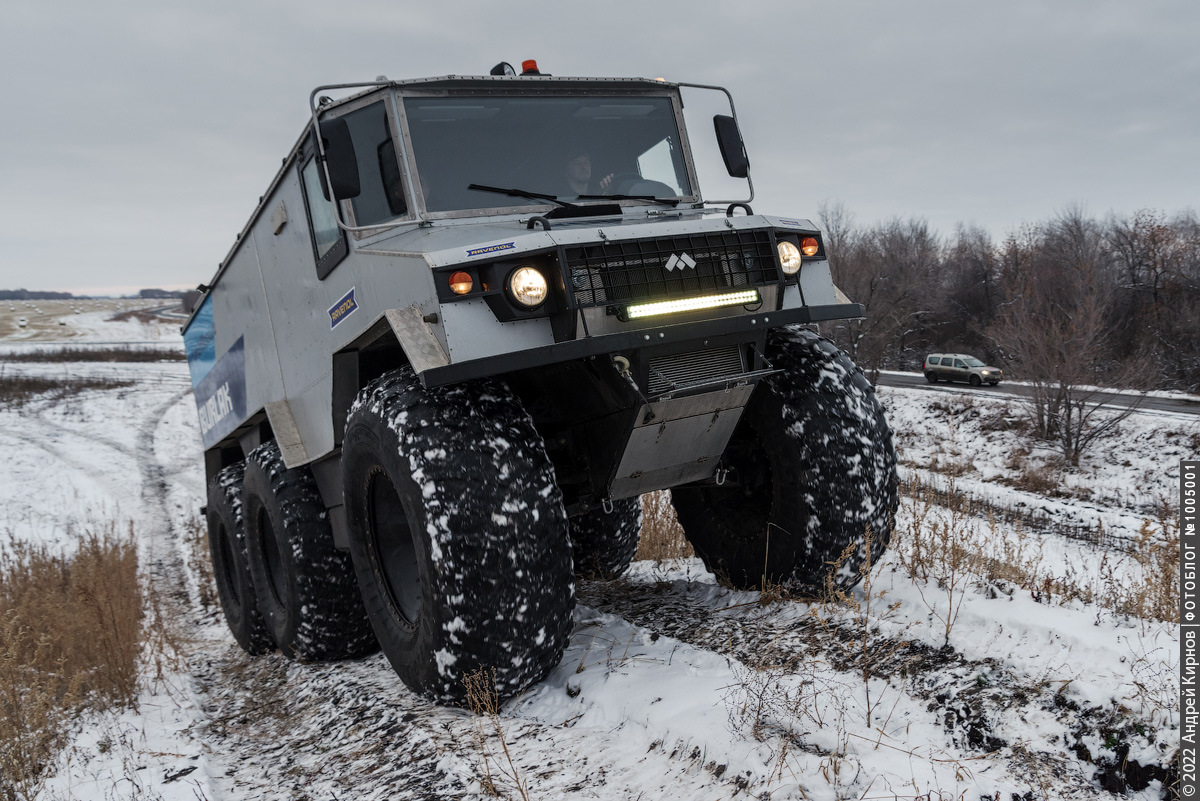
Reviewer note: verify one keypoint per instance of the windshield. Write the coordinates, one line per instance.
(973, 362)
(518, 150)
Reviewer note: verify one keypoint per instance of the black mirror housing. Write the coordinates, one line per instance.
(340, 160)
(733, 151)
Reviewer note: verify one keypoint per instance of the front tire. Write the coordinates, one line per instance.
(458, 534)
(812, 471)
(305, 586)
(974, 381)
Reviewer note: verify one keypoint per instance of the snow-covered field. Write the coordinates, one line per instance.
(954, 686)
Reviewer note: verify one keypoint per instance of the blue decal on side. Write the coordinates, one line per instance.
(221, 396)
(342, 309)
(793, 223)
(492, 249)
(200, 342)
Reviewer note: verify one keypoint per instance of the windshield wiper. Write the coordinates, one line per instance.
(522, 193)
(668, 201)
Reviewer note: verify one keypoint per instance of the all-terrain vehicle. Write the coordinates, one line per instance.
(469, 323)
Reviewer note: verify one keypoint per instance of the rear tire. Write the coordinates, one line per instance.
(227, 545)
(305, 586)
(458, 534)
(931, 377)
(604, 543)
(812, 469)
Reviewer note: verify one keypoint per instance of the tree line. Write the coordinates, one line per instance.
(1113, 301)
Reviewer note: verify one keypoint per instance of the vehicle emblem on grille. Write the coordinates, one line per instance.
(680, 261)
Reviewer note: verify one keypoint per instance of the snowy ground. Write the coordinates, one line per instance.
(672, 687)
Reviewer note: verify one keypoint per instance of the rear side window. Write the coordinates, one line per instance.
(935, 360)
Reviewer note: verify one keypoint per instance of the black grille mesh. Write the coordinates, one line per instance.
(636, 270)
(670, 372)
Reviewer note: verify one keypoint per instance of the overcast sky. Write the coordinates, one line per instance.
(138, 135)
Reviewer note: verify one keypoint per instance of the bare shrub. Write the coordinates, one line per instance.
(71, 639)
(662, 536)
(484, 703)
(1156, 595)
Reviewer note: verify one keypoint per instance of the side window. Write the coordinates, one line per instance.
(329, 242)
(935, 360)
(960, 364)
(382, 196)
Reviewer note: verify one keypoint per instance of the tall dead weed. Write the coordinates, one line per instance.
(71, 631)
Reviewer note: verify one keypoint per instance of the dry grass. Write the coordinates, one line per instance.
(195, 535)
(662, 536)
(72, 630)
(99, 354)
(952, 544)
(16, 390)
(484, 703)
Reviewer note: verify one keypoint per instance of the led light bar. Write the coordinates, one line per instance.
(743, 298)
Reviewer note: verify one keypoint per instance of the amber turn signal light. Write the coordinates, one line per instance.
(809, 246)
(461, 283)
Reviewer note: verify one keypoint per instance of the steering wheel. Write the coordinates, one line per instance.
(621, 182)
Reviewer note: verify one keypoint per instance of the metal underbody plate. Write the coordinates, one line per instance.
(678, 440)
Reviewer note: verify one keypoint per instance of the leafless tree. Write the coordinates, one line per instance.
(1056, 326)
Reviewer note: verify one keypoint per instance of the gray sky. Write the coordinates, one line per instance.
(138, 135)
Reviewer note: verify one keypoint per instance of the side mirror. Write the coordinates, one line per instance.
(733, 151)
(340, 160)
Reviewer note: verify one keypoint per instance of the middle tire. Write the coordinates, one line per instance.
(458, 534)
(305, 586)
(604, 542)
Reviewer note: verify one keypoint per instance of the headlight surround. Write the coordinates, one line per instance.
(789, 257)
(527, 286)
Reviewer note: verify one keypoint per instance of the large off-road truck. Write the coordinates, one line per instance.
(469, 323)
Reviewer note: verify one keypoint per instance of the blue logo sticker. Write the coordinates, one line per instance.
(492, 249)
(342, 309)
(793, 223)
(221, 395)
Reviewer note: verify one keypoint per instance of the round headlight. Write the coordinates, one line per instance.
(789, 257)
(809, 245)
(527, 286)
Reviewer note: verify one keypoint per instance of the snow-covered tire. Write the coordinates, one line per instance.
(603, 543)
(812, 469)
(305, 587)
(227, 545)
(458, 534)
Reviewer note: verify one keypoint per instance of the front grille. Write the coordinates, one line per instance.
(670, 372)
(638, 270)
